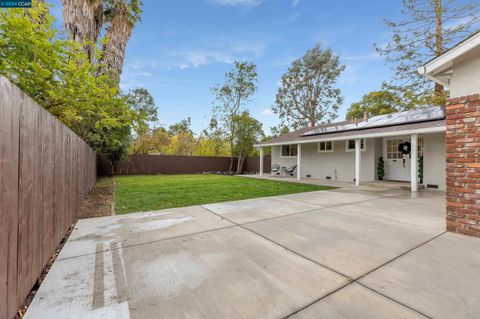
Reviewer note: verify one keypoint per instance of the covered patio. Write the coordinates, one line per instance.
(351, 153)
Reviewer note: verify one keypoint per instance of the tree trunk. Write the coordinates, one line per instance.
(241, 159)
(438, 39)
(118, 34)
(83, 19)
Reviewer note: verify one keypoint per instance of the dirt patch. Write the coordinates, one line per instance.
(101, 200)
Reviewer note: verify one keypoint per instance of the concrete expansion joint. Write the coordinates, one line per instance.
(350, 280)
(356, 280)
(151, 241)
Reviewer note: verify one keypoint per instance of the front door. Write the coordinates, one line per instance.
(397, 165)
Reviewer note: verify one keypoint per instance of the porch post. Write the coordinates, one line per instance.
(358, 153)
(299, 161)
(414, 162)
(261, 161)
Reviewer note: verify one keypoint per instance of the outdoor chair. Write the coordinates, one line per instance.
(289, 171)
(275, 169)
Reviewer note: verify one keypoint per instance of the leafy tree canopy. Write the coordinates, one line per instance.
(184, 126)
(142, 102)
(232, 97)
(376, 103)
(307, 95)
(248, 131)
(426, 29)
(57, 73)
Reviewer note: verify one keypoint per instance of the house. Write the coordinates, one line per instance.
(350, 151)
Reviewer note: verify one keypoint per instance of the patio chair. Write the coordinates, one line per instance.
(275, 169)
(289, 171)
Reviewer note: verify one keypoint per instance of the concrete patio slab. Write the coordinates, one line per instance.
(357, 302)
(329, 198)
(350, 243)
(135, 229)
(245, 211)
(227, 273)
(439, 279)
(422, 213)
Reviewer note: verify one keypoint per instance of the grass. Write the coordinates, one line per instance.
(146, 193)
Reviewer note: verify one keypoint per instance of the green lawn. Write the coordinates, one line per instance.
(145, 193)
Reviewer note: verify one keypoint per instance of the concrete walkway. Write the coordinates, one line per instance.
(347, 253)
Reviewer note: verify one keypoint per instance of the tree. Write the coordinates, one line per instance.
(248, 131)
(376, 103)
(231, 98)
(142, 102)
(122, 16)
(279, 130)
(58, 75)
(428, 28)
(181, 127)
(83, 20)
(307, 96)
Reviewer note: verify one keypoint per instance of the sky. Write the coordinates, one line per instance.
(182, 48)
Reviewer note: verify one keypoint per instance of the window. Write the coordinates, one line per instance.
(394, 153)
(392, 149)
(289, 150)
(350, 145)
(325, 147)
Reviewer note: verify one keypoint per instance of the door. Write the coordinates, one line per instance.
(397, 165)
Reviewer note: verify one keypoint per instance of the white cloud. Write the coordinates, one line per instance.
(295, 3)
(231, 3)
(268, 112)
(183, 67)
(257, 48)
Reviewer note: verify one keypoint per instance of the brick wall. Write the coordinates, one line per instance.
(463, 165)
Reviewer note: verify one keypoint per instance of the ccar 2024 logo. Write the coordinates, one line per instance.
(15, 4)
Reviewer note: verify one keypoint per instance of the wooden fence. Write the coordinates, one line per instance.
(45, 173)
(143, 164)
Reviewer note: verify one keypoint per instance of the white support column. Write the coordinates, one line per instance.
(261, 161)
(414, 162)
(358, 160)
(299, 161)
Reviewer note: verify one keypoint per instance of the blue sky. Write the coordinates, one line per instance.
(183, 47)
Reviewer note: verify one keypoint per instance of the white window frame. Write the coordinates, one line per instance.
(290, 151)
(325, 150)
(364, 148)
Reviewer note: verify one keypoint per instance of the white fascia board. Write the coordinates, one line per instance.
(427, 130)
(445, 60)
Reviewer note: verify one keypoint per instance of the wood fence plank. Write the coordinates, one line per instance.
(45, 173)
(25, 196)
(9, 133)
(48, 155)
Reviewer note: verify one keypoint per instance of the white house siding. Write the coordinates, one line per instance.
(434, 160)
(465, 78)
(338, 164)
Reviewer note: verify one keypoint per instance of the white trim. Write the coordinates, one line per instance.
(326, 151)
(428, 130)
(350, 150)
(445, 60)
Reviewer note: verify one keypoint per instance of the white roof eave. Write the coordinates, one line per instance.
(445, 60)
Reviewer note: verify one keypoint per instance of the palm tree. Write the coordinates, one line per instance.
(122, 16)
(83, 19)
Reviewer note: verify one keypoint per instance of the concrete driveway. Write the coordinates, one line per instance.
(347, 253)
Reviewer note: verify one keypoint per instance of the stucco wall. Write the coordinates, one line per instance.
(338, 164)
(434, 160)
(466, 75)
